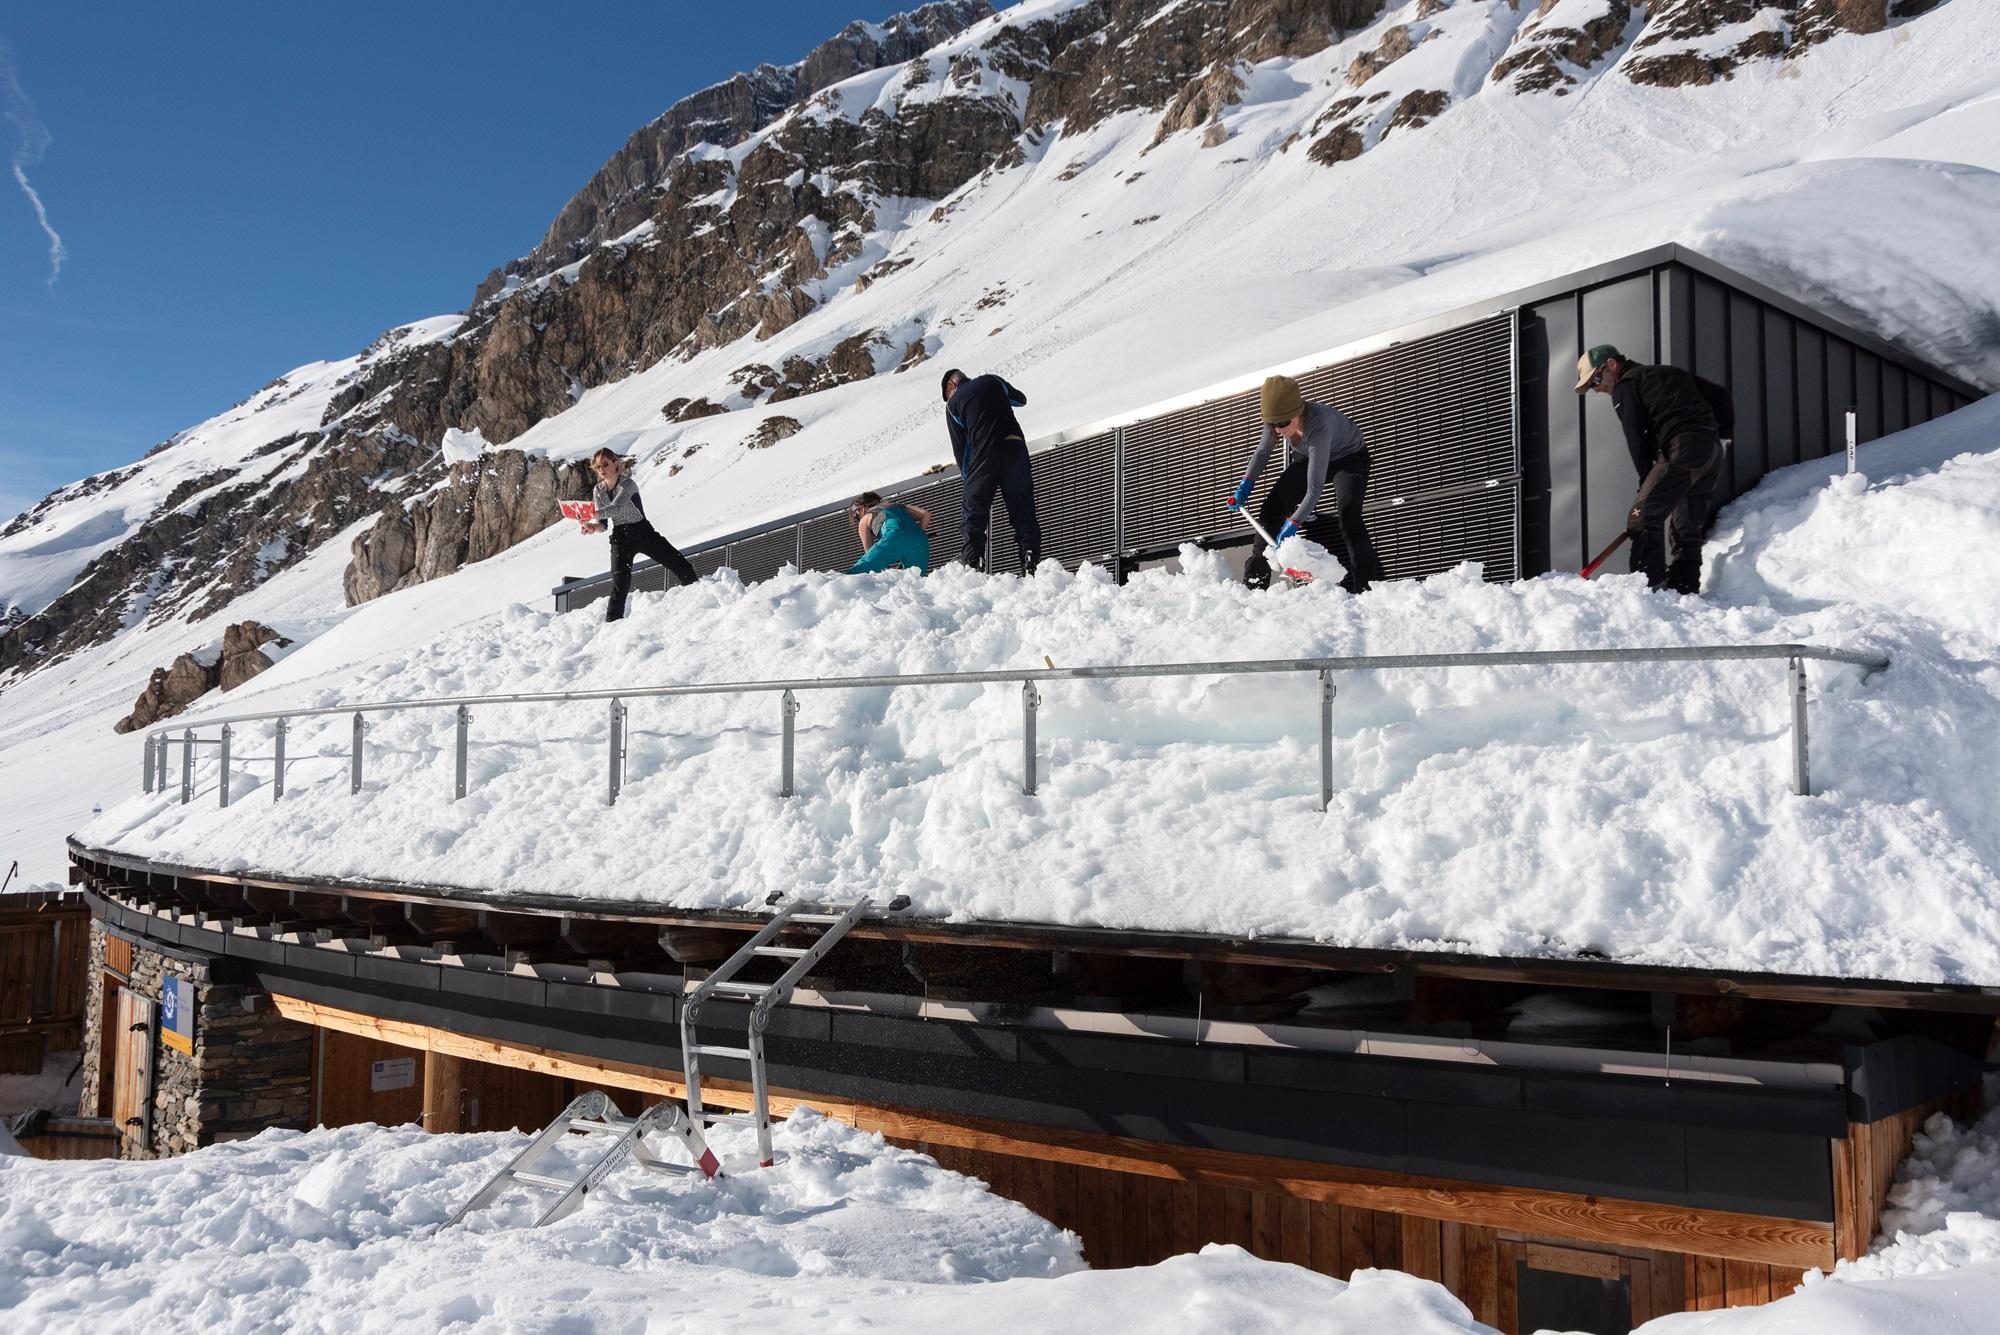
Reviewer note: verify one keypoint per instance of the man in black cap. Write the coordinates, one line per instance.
(992, 454)
(1674, 423)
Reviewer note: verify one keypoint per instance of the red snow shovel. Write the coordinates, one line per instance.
(1603, 556)
(1291, 573)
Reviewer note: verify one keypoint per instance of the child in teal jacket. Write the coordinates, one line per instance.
(893, 535)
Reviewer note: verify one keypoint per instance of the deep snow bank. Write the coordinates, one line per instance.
(1641, 812)
(334, 1230)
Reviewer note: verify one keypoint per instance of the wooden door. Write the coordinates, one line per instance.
(131, 1040)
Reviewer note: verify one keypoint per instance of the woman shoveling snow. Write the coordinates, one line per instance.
(1334, 450)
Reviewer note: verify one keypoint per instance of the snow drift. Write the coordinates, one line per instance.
(1639, 812)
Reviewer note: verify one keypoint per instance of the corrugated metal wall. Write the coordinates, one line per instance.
(1792, 379)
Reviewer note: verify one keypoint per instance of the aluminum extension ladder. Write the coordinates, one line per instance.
(592, 1116)
(764, 997)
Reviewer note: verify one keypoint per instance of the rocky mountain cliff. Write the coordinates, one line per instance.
(748, 206)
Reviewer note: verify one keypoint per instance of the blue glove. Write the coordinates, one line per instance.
(1242, 494)
(1287, 531)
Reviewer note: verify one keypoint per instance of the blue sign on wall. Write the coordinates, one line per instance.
(177, 1014)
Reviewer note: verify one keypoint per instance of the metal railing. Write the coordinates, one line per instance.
(158, 741)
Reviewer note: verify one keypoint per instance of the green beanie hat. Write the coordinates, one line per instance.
(1281, 400)
(1588, 365)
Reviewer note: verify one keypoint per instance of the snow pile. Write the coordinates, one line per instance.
(1934, 1268)
(338, 1229)
(1641, 812)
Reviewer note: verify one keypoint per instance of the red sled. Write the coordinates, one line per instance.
(583, 512)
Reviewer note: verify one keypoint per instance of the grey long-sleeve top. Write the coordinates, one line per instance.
(619, 504)
(1330, 434)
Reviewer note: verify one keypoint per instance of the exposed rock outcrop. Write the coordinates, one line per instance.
(190, 676)
(482, 507)
(1543, 56)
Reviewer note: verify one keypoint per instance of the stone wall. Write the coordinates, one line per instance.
(251, 1069)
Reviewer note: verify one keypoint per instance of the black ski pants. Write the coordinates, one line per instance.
(1347, 479)
(635, 539)
(1006, 471)
(1677, 498)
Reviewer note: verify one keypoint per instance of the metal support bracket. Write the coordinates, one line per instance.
(463, 732)
(1031, 700)
(354, 765)
(1325, 739)
(788, 749)
(187, 766)
(615, 778)
(278, 765)
(1796, 677)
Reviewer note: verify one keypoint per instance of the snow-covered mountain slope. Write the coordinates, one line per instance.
(1112, 201)
(334, 1230)
(1638, 812)
(1103, 258)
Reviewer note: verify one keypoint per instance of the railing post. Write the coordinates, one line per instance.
(1325, 738)
(1031, 700)
(187, 766)
(354, 765)
(278, 770)
(1801, 781)
(147, 769)
(458, 759)
(222, 769)
(788, 748)
(616, 779)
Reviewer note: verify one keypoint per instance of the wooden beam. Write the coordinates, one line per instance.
(1797, 1244)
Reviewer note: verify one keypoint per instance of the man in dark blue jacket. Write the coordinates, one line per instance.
(992, 454)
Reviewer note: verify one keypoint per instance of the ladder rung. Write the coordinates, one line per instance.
(730, 1119)
(742, 989)
(815, 917)
(788, 952)
(544, 1180)
(717, 1050)
(597, 1129)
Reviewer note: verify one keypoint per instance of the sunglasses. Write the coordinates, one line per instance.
(1598, 378)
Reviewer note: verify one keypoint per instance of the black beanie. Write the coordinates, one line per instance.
(945, 384)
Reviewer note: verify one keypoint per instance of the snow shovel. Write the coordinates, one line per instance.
(1291, 573)
(1603, 556)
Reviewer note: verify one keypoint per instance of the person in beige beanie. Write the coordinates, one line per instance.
(1333, 451)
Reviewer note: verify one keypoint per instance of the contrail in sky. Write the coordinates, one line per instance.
(34, 143)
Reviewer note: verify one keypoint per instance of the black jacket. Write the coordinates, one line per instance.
(982, 422)
(1657, 403)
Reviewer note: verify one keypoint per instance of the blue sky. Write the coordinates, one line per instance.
(241, 188)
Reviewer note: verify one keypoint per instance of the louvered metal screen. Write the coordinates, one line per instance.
(1438, 416)
(1438, 530)
(1075, 498)
(829, 543)
(763, 555)
(945, 499)
(1179, 468)
(709, 561)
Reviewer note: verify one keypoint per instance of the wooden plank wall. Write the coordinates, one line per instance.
(1865, 1164)
(343, 1090)
(1126, 1219)
(44, 960)
(73, 1138)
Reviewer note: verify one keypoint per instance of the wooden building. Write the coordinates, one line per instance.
(1571, 1143)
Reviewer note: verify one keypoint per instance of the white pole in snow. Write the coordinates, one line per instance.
(1850, 439)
